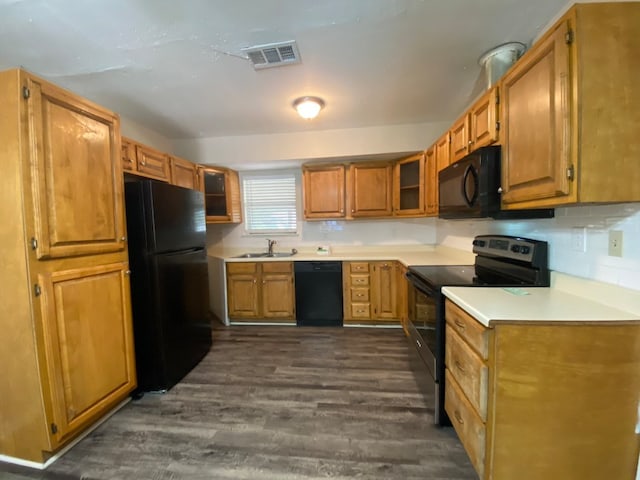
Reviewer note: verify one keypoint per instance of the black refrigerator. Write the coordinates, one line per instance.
(169, 281)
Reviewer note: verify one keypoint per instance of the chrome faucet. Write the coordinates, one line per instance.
(270, 247)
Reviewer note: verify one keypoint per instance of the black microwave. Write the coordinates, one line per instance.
(470, 188)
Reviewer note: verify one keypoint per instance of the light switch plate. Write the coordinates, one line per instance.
(615, 243)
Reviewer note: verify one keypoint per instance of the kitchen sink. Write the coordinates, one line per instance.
(267, 255)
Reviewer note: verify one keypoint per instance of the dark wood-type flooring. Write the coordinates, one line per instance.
(277, 403)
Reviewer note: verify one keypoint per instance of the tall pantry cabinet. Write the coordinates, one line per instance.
(67, 349)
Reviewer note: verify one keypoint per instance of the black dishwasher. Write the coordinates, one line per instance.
(318, 293)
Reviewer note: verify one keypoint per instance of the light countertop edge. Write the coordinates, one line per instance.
(408, 255)
(540, 304)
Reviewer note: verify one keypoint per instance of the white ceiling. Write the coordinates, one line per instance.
(177, 67)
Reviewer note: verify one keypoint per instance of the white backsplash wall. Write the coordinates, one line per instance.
(568, 253)
(416, 231)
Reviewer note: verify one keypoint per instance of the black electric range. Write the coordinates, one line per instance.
(501, 261)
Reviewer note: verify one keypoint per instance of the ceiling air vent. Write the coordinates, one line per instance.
(273, 54)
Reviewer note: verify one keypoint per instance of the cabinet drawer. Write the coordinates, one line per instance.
(359, 267)
(360, 310)
(277, 267)
(360, 280)
(468, 328)
(469, 371)
(242, 267)
(466, 422)
(359, 295)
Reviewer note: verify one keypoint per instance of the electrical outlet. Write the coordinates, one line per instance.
(615, 243)
(579, 239)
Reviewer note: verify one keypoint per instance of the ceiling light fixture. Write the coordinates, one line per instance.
(308, 107)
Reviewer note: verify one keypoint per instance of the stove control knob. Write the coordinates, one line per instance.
(525, 250)
(515, 248)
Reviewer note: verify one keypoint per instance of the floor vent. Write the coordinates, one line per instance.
(273, 54)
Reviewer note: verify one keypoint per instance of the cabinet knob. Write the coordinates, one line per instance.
(127, 272)
(143, 162)
(499, 189)
(123, 239)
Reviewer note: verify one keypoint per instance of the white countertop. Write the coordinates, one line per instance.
(405, 254)
(532, 304)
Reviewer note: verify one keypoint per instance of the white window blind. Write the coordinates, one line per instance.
(269, 203)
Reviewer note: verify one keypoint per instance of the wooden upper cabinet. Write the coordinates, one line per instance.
(128, 155)
(477, 127)
(483, 120)
(89, 354)
(323, 191)
(221, 188)
(153, 163)
(183, 173)
(577, 142)
(443, 151)
(459, 138)
(536, 151)
(431, 182)
(370, 188)
(76, 174)
(408, 186)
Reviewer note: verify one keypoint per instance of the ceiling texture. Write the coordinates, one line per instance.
(178, 67)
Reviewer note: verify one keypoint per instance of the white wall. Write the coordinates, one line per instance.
(145, 135)
(562, 233)
(288, 149)
(418, 231)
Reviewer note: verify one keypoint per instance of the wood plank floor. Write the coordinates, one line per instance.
(277, 403)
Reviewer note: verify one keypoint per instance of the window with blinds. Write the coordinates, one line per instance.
(269, 203)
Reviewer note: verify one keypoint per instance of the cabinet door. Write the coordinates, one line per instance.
(242, 295)
(535, 155)
(128, 156)
(370, 190)
(214, 186)
(278, 299)
(323, 192)
(183, 173)
(483, 118)
(88, 343)
(443, 155)
(459, 138)
(153, 163)
(431, 182)
(408, 181)
(76, 175)
(384, 288)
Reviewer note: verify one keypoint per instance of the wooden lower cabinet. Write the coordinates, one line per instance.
(532, 400)
(89, 347)
(260, 291)
(370, 292)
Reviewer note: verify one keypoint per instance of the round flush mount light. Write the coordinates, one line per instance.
(308, 107)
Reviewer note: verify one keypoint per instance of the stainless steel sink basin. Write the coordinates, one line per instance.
(267, 255)
(280, 254)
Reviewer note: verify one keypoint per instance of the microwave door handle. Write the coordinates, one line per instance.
(470, 171)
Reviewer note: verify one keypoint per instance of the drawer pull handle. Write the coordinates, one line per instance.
(459, 324)
(458, 417)
(419, 344)
(459, 366)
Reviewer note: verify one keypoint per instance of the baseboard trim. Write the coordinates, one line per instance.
(42, 466)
